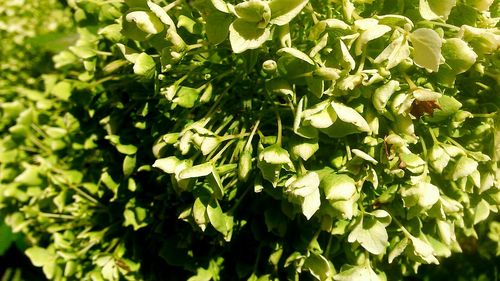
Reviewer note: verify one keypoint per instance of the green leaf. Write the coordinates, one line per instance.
(283, 11)
(318, 266)
(297, 54)
(144, 65)
(197, 171)
(221, 6)
(30, 176)
(382, 95)
(396, 52)
(480, 5)
(255, 11)
(217, 27)
(7, 237)
(304, 148)
(62, 90)
(427, 48)
(146, 21)
(128, 166)
(371, 234)
(186, 97)
(372, 33)
(423, 250)
(320, 119)
(423, 194)
(274, 154)
(40, 256)
(464, 167)
(357, 273)
(434, 9)
(168, 165)
(217, 217)
(245, 35)
(338, 186)
(305, 190)
(458, 55)
(481, 211)
(245, 165)
(199, 211)
(398, 249)
(161, 14)
(349, 115)
(449, 106)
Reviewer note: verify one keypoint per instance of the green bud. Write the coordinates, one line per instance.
(245, 165)
(269, 66)
(327, 73)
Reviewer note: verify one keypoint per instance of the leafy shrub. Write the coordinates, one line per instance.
(258, 140)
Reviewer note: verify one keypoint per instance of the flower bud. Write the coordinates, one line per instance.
(269, 66)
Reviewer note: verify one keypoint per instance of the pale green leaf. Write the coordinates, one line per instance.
(398, 249)
(161, 14)
(221, 6)
(435, 9)
(363, 155)
(382, 95)
(40, 256)
(481, 211)
(283, 11)
(422, 94)
(423, 250)
(318, 266)
(372, 33)
(458, 55)
(274, 154)
(338, 186)
(305, 190)
(349, 115)
(297, 54)
(217, 217)
(144, 65)
(168, 165)
(357, 273)
(322, 119)
(256, 11)
(304, 148)
(464, 167)
(245, 35)
(146, 21)
(197, 171)
(396, 52)
(427, 48)
(370, 234)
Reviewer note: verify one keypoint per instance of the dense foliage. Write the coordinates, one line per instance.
(249, 140)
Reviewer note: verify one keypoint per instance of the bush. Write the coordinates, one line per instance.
(254, 140)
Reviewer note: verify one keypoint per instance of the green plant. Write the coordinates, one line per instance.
(258, 140)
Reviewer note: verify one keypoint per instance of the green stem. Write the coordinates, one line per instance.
(280, 129)
(433, 136)
(410, 82)
(452, 27)
(252, 134)
(484, 115)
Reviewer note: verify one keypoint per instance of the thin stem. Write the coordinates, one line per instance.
(56, 216)
(280, 128)
(484, 115)
(452, 27)
(219, 154)
(433, 136)
(362, 62)
(410, 82)
(249, 141)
